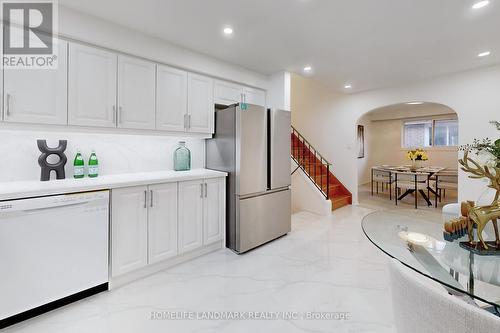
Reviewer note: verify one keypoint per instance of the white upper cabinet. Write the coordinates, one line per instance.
(171, 99)
(201, 111)
(190, 215)
(254, 96)
(213, 211)
(92, 86)
(35, 95)
(162, 234)
(136, 93)
(227, 93)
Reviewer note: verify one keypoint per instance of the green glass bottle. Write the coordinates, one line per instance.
(78, 166)
(93, 165)
(182, 157)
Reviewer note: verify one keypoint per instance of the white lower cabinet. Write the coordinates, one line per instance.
(152, 224)
(190, 215)
(162, 236)
(129, 229)
(213, 211)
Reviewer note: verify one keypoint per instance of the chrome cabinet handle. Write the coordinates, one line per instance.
(151, 198)
(145, 199)
(185, 121)
(189, 121)
(201, 190)
(114, 114)
(206, 190)
(8, 105)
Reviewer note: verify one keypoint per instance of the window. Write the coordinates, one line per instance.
(428, 133)
(446, 133)
(417, 134)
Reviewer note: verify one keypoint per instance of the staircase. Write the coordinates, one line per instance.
(318, 170)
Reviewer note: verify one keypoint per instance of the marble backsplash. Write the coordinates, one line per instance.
(117, 153)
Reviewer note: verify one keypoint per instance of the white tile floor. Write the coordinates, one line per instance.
(325, 264)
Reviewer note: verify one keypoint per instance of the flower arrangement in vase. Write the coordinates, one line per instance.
(416, 156)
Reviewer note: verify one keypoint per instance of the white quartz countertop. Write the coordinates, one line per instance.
(26, 189)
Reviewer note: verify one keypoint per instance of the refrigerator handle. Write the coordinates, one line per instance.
(268, 133)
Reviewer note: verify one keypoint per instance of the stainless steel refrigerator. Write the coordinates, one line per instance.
(252, 144)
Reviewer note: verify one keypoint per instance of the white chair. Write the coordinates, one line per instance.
(451, 211)
(422, 306)
(445, 180)
(385, 178)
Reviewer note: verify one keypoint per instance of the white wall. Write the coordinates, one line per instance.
(330, 119)
(117, 153)
(306, 197)
(364, 164)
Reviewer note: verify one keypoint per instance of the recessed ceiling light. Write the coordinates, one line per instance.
(348, 86)
(307, 69)
(480, 4)
(415, 103)
(228, 31)
(484, 54)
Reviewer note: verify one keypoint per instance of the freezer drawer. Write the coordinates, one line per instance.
(262, 219)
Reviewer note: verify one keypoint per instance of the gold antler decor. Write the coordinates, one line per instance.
(479, 216)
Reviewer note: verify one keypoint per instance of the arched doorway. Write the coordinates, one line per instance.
(387, 134)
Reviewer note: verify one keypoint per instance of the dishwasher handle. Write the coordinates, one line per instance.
(56, 207)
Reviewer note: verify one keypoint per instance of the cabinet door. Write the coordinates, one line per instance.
(38, 96)
(92, 86)
(213, 211)
(162, 232)
(129, 227)
(190, 215)
(136, 93)
(201, 109)
(171, 99)
(254, 96)
(227, 93)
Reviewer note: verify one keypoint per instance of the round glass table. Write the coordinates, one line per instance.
(419, 244)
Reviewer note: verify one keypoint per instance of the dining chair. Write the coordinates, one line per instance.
(412, 182)
(385, 178)
(423, 305)
(445, 180)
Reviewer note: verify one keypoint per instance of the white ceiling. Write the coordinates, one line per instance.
(368, 43)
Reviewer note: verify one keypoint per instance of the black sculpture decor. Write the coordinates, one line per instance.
(47, 167)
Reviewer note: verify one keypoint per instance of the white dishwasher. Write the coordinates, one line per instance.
(53, 251)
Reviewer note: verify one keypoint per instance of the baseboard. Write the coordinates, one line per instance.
(121, 280)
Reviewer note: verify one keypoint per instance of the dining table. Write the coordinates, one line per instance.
(408, 171)
(420, 245)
